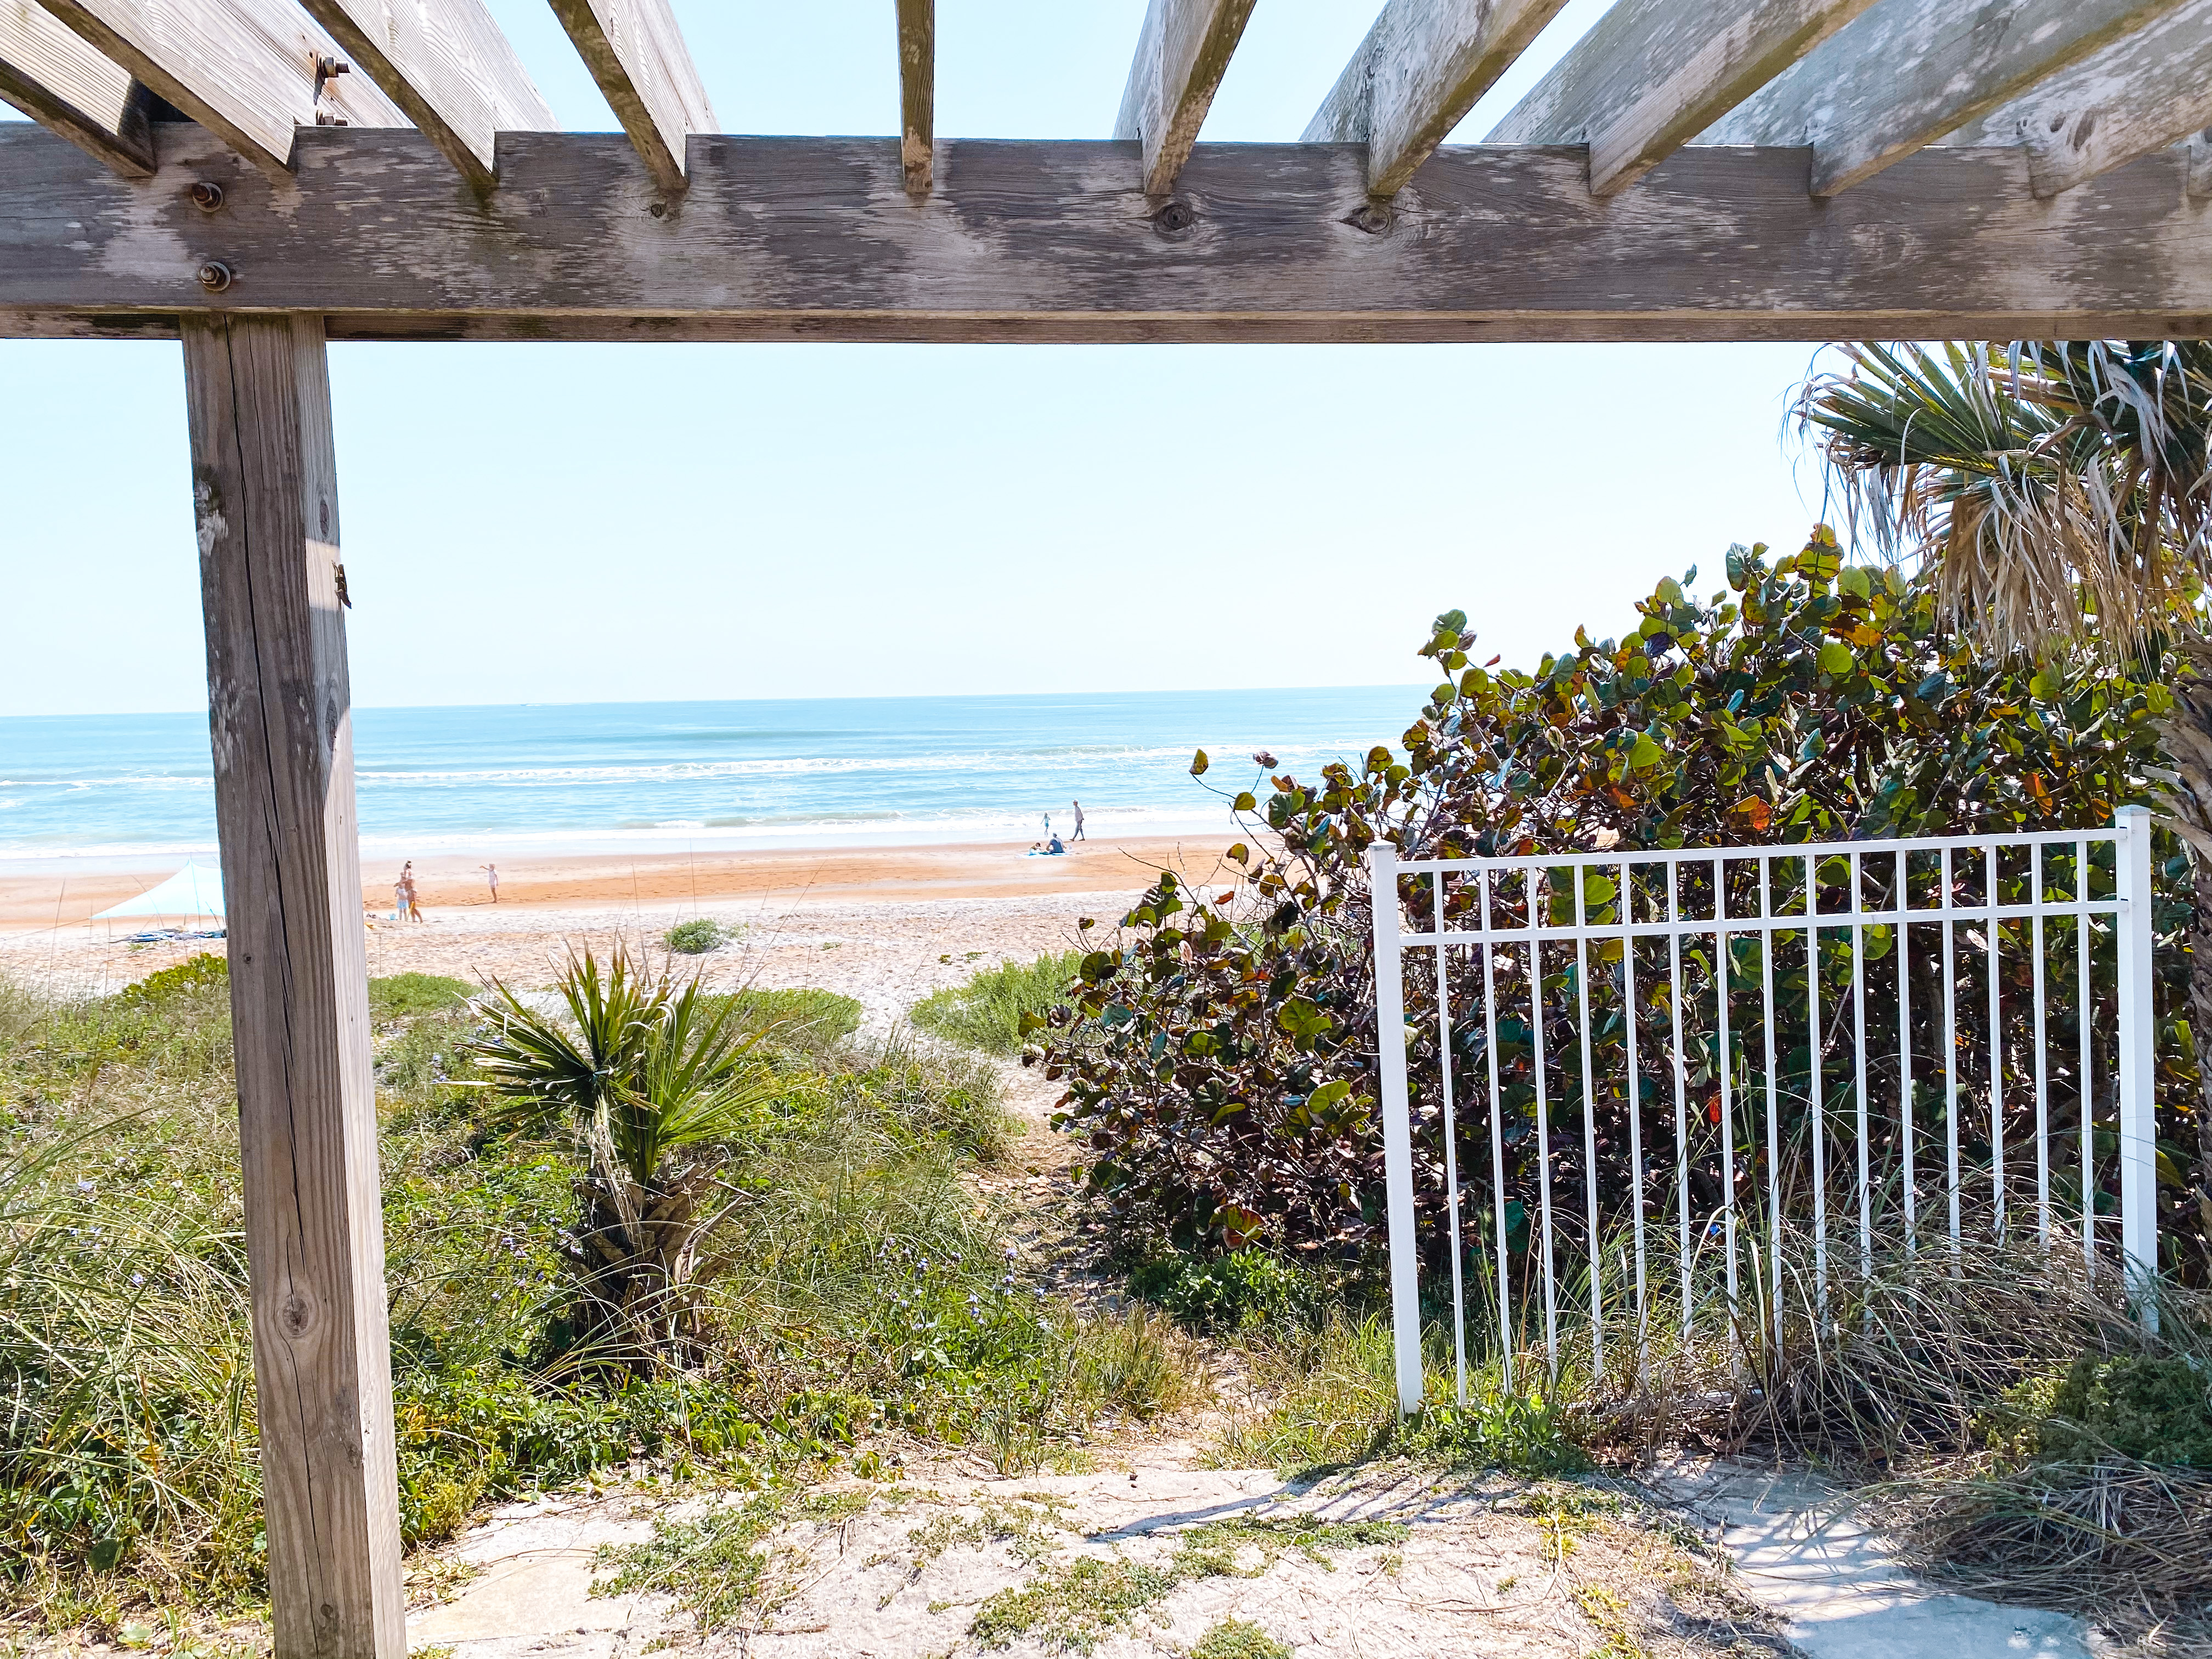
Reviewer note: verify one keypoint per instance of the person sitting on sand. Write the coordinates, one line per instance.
(1053, 846)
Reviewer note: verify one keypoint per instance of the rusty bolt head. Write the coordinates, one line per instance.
(215, 275)
(1174, 218)
(206, 196)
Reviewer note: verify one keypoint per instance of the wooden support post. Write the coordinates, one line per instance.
(264, 493)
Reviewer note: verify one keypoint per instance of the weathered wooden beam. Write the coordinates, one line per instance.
(246, 69)
(917, 50)
(1911, 71)
(265, 495)
(447, 65)
(1653, 74)
(2142, 93)
(1183, 52)
(814, 239)
(636, 53)
(48, 72)
(1417, 74)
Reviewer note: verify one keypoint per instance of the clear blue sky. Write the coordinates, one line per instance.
(558, 523)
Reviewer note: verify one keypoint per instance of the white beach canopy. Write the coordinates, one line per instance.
(190, 894)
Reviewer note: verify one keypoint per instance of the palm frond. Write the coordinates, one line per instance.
(2061, 488)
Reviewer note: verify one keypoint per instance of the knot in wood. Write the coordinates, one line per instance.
(296, 1316)
(1373, 217)
(1174, 218)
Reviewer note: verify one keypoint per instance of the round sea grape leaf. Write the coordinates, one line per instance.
(1835, 659)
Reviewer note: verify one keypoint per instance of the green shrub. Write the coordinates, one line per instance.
(403, 996)
(1243, 1289)
(1218, 1054)
(193, 977)
(987, 1012)
(698, 936)
(2153, 1409)
(1234, 1639)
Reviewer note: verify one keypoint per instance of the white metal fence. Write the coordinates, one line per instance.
(1625, 1077)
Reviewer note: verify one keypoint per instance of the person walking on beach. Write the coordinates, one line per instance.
(1078, 836)
(491, 880)
(413, 906)
(402, 889)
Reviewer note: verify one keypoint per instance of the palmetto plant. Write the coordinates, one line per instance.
(651, 1078)
(2063, 492)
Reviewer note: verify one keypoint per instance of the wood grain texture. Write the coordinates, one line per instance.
(1182, 52)
(917, 52)
(264, 493)
(446, 63)
(48, 71)
(1653, 74)
(1417, 74)
(1910, 71)
(245, 69)
(2142, 93)
(636, 53)
(816, 238)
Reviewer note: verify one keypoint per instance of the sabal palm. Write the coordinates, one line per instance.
(2063, 492)
(651, 1078)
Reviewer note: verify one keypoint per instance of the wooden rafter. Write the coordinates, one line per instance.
(1417, 74)
(917, 52)
(1911, 71)
(449, 66)
(252, 71)
(49, 72)
(2142, 93)
(1182, 52)
(1653, 74)
(636, 53)
(789, 238)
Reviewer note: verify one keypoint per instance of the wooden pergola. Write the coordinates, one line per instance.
(257, 177)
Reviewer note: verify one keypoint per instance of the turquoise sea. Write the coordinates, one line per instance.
(583, 777)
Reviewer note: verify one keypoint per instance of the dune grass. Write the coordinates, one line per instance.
(986, 1011)
(862, 1297)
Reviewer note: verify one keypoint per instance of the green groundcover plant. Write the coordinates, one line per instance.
(1218, 1053)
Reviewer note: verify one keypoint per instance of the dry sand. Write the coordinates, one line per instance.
(884, 925)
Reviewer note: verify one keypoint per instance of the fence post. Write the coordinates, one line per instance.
(2138, 1063)
(1397, 1123)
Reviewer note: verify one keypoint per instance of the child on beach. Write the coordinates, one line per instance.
(491, 879)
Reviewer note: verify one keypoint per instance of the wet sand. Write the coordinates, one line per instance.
(885, 925)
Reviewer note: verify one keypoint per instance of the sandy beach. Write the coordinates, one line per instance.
(884, 925)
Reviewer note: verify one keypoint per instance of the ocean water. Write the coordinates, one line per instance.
(611, 777)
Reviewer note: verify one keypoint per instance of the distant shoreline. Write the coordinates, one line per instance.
(659, 886)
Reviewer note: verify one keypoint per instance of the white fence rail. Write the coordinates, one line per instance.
(1604, 1088)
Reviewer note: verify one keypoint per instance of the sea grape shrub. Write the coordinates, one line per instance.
(1218, 1058)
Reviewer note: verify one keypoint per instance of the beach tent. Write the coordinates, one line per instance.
(189, 895)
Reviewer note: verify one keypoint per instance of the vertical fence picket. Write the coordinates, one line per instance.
(2085, 1005)
(1543, 1136)
(1681, 1085)
(1953, 1189)
(1501, 1269)
(1632, 1011)
(2136, 933)
(1812, 1064)
(1994, 933)
(1451, 1137)
(1590, 1130)
(1397, 1123)
(1859, 1064)
(2042, 1059)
